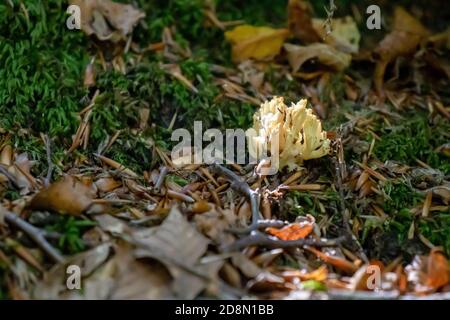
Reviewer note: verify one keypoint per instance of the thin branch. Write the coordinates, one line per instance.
(243, 188)
(34, 233)
(257, 238)
(161, 177)
(260, 224)
(48, 178)
(340, 175)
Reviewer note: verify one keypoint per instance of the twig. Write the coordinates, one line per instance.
(260, 224)
(340, 175)
(257, 238)
(34, 233)
(7, 174)
(161, 177)
(244, 188)
(47, 142)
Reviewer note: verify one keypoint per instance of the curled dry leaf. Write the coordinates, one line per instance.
(296, 129)
(259, 43)
(106, 19)
(344, 36)
(294, 231)
(428, 273)
(300, 22)
(324, 53)
(66, 196)
(406, 35)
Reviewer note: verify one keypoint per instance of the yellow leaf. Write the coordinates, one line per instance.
(344, 36)
(255, 42)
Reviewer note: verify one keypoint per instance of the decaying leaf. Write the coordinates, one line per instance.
(179, 246)
(406, 35)
(66, 196)
(300, 22)
(106, 19)
(324, 53)
(294, 231)
(428, 273)
(344, 36)
(53, 285)
(296, 129)
(259, 43)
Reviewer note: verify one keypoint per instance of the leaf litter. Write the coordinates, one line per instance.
(169, 230)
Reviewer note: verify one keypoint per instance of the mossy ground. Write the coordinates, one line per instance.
(41, 91)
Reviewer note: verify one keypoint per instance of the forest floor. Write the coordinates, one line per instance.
(87, 179)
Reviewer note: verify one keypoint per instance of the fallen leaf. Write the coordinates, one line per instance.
(324, 53)
(294, 231)
(260, 43)
(320, 274)
(300, 22)
(66, 196)
(339, 263)
(403, 40)
(106, 19)
(437, 270)
(107, 184)
(344, 36)
(179, 246)
(53, 285)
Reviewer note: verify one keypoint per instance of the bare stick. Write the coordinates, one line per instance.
(257, 238)
(260, 224)
(243, 188)
(49, 160)
(340, 174)
(161, 177)
(34, 233)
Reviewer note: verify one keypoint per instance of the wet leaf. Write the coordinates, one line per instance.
(260, 43)
(66, 196)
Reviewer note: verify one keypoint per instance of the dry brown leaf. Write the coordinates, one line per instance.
(428, 273)
(53, 285)
(324, 53)
(437, 270)
(106, 19)
(404, 39)
(107, 184)
(338, 262)
(66, 196)
(300, 22)
(259, 43)
(179, 246)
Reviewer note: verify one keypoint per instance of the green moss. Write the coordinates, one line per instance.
(436, 228)
(42, 64)
(414, 139)
(71, 230)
